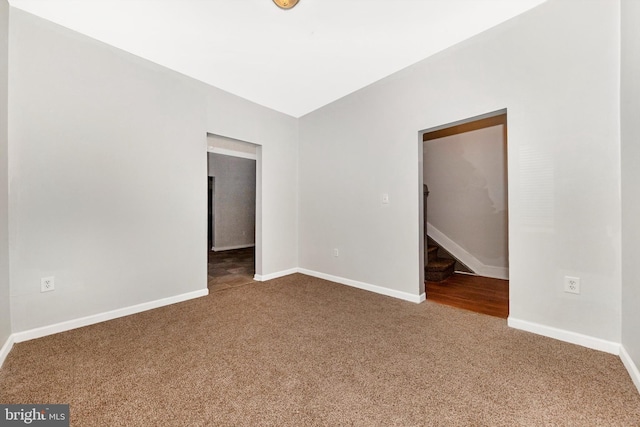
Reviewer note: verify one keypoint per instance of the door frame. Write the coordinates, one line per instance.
(493, 118)
(258, 207)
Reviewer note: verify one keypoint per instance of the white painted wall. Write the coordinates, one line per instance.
(86, 137)
(108, 160)
(5, 309)
(234, 203)
(630, 112)
(107, 167)
(277, 171)
(556, 69)
(466, 176)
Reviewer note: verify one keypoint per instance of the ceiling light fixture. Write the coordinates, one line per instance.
(285, 4)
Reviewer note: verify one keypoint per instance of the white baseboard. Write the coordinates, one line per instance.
(365, 286)
(6, 348)
(265, 277)
(229, 248)
(465, 257)
(341, 280)
(632, 368)
(566, 336)
(102, 317)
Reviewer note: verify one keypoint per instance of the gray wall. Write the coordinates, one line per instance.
(107, 175)
(108, 190)
(89, 125)
(277, 174)
(630, 109)
(5, 313)
(235, 200)
(466, 175)
(558, 76)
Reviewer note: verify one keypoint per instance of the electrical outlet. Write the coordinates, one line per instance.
(47, 284)
(336, 252)
(385, 199)
(572, 284)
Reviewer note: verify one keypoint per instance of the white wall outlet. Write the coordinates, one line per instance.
(385, 199)
(47, 284)
(336, 252)
(572, 284)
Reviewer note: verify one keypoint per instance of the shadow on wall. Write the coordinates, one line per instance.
(466, 175)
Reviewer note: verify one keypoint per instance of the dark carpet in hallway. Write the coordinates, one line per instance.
(228, 269)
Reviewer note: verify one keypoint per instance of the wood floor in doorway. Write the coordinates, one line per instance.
(475, 293)
(228, 269)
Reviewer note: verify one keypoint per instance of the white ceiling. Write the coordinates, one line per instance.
(293, 61)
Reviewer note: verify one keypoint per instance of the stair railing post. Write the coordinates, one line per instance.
(425, 193)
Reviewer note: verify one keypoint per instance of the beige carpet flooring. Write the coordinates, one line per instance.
(300, 351)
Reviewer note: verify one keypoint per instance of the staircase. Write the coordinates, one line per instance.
(438, 269)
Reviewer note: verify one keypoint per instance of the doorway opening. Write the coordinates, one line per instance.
(234, 208)
(465, 214)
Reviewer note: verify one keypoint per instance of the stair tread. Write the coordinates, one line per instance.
(440, 264)
(432, 252)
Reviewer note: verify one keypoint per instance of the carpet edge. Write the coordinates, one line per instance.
(68, 325)
(366, 286)
(566, 336)
(6, 348)
(632, 368)
(276, 275)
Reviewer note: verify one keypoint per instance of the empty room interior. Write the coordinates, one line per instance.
(293, 137)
